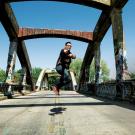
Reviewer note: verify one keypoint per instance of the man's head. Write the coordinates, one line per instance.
(68, 45)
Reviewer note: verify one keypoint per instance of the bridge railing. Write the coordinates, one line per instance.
(106, 90)
(14, 87)
(124, 90)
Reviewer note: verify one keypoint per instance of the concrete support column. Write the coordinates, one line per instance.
(119, 46)
(87, 71)
(97, 65)
(120, 51)
(84, 85)
(11, 66)
(74, 83)
(23, 78)
(45, 82)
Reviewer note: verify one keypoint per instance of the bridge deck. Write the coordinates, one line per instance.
(43, 113)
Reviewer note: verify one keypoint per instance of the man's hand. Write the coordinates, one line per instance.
(65, 50)
(72, 56)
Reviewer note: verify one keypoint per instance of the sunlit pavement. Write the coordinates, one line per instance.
(44, 113)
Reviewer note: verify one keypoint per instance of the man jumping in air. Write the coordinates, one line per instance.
(62, 67)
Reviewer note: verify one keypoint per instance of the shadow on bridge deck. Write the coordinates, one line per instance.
(53, 104)
(99, 101)
(120, 103)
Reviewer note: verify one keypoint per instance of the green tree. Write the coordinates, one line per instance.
(92, 72)
(52, 80)
(2, 75)
(35, 73)
(17, 76)
(76, 67)
(105, 72)
(132, 75)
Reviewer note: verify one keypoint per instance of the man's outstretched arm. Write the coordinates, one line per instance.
(73, 56)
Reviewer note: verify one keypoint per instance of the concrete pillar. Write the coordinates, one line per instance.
(74, 83)
(23, 78)
(40, 79)
(87, 71)
(43, 85)
(119, 46)
(84, 85)
(120, 51)
(11, 66)
(45, 82)
(97, 65)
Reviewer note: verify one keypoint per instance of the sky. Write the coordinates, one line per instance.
(43, 52)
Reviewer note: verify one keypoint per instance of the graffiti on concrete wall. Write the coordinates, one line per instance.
(106, 90)
(121, 65)
(23, 76)
(109, 90)
(11, 62)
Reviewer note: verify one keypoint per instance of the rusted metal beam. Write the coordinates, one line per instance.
(8, 20)
(119, 46)
(102, 26)
(10, 24)
(86, 61)
(29, 33)
(119, 4)
(100, 30)
(99, 4)
(25, 62)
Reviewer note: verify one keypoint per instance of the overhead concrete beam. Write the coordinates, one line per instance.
(99, 32)
(99, 4)
(8, 20)
(29, 33)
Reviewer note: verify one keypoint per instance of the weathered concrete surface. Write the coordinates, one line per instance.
(43, 113)
(99, 4)
(29, 33)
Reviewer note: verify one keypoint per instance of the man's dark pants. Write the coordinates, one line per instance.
(65, 76)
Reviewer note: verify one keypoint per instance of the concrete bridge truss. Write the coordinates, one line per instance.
(42, 82)
(111, 15)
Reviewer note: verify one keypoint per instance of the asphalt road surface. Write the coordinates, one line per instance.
(44, 113)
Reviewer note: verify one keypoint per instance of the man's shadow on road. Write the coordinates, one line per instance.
(57, 110)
